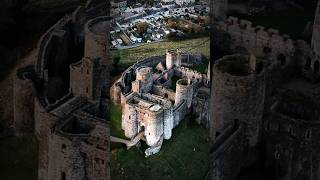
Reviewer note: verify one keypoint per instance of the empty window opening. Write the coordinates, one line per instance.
(308, 63)
(63, 176)
(63, 147)
(308, 134)
(316, 67)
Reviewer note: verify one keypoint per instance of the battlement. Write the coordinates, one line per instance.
(245, 25)
(243, 36)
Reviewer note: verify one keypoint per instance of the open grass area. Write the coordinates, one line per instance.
(130, 56)
(202, 68)
(115, 111)
(19, 158)
(184, 156)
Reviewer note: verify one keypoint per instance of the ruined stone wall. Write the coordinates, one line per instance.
(242, 36)
(184, 92)
(130, 120)
(128, 75)
(226, 156)
(144, 80)
(195, 76)
(292, 147)
(179, 112)
(164, 92)
(237, 97)
(43, 124)
(44, 43)
(115, 92)
(200, 106)
(79, 155)
(315, 44)
(189, 59)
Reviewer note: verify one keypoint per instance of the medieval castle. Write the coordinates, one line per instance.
(157, 93)
(264, 99)
(62, 97)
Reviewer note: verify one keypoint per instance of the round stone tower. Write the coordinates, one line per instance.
(130, 120)
(184, 92)
(154, 128)
(170, 59)
(238, 93)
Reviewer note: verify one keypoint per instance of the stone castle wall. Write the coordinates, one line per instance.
(226, 156)
(239, 35)
(237, 97)
(48, 90)
(315, 44)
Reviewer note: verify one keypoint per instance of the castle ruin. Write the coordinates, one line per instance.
(264, 101)
(63, 97)
(157, 93)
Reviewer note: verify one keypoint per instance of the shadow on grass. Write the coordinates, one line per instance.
(19, 158)
(184, 156)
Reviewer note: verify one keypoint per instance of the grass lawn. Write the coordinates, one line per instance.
(116, 112)
(202, 68)
(196, 45)
(19, 158)
(184, 156)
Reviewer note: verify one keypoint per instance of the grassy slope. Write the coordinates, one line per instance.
(184, 156)
(116, 130)
(19, 158)
(197, 45)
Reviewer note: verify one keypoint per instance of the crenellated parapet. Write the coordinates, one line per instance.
(255, 39)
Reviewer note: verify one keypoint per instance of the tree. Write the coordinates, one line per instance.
(142, 28)
(171, 23)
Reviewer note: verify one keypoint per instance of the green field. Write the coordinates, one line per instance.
(19, 158)
(196, 45)
(184, 156)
